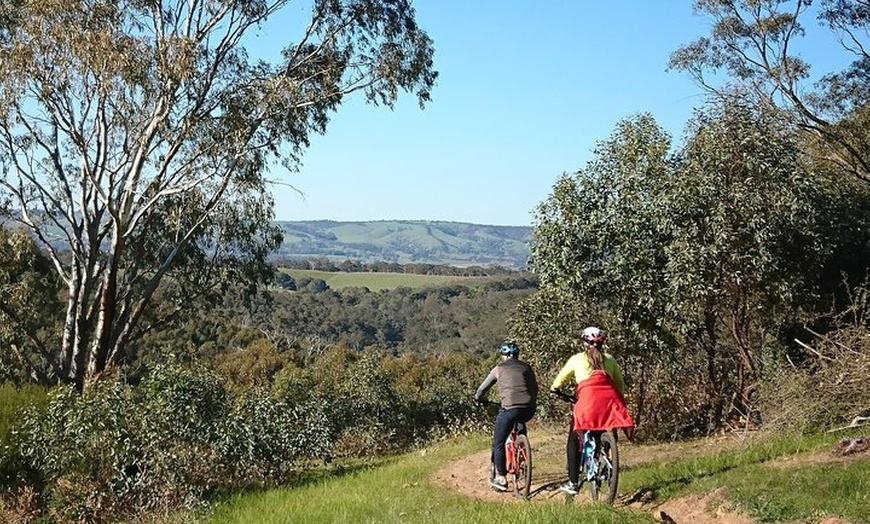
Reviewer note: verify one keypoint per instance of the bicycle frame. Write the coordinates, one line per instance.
(590, 444)
(598, 457)
(518, 461)
(510, 452)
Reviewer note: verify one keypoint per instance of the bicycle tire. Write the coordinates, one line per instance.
(523, 474)
(607, 480)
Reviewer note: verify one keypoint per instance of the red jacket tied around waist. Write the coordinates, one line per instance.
(600, 406)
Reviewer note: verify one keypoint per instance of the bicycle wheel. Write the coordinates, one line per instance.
(607, 480)
(523, 476)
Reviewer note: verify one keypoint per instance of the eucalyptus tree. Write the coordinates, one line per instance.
(597, 252)
(755, 43)
(137, 136)
(696, 259)
(594, 240)
(746, 221)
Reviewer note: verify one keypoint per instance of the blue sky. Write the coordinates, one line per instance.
(526, 89)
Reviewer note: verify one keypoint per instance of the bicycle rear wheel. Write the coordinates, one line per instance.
(606, 481)
(523, 457)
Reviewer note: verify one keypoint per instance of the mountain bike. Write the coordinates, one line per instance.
(599, 459)
(518, 461)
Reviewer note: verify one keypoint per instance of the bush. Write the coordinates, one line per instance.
(436, 393)
(831, 388)
(118, 451)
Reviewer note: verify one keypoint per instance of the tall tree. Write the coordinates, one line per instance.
(137, 136)
(595, 238)
(755, 42)
(696, 259)
(745, 220)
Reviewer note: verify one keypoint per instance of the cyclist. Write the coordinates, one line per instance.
(599, 404)
(518, 392)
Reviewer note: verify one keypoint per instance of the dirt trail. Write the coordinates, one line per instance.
(470, 475)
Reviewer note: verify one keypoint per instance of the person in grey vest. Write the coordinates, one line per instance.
(518, 393)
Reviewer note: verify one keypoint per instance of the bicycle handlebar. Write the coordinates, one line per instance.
(564, 396)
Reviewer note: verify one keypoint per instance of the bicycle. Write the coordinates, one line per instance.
(518, 461)
(599, 459)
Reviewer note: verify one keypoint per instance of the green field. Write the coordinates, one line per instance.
(379, 281)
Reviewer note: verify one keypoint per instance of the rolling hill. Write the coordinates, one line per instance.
(407, 241)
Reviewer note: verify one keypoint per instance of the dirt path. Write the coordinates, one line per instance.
(470, 475)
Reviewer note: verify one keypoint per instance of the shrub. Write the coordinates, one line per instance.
(831, 388)
(436, 392)
(117, 451)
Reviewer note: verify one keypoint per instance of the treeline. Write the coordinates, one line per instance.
(438, 320)
(356, 266)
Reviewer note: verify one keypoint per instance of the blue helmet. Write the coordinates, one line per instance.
(509, 349)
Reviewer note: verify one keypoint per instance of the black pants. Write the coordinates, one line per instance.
(504, 422)
(572, 450)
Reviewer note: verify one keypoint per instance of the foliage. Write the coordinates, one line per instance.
(436, 392)
(14, 402)
(366, 414)
(312, 285)
(434, 319)
(116, 451)
(285, 281)
(695, 261)
(831, 387)
(139, 143)
(29, 309)
(756, 44)
(739, 270)
(253, 366)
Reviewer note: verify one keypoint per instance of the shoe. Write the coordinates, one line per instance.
(569, 488)
(498, 483)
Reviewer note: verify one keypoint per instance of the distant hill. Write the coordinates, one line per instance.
(408, 241)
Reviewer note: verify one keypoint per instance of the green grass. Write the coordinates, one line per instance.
(792, 493)
(786, 478)
(14, 399)
(399, 490)
(378, 281)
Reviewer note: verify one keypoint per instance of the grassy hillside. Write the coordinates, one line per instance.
(449, 243)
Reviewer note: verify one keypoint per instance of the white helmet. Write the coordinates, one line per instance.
(593, 335)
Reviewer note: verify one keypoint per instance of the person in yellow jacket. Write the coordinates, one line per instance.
(599, 389)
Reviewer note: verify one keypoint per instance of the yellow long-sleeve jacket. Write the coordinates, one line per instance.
(580, 368)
